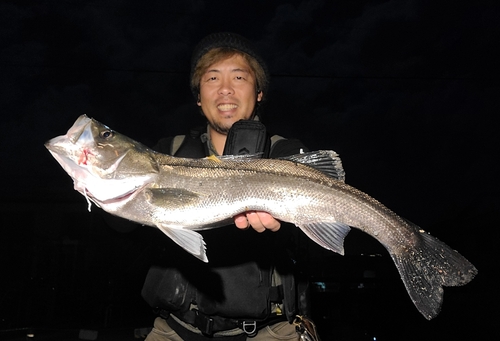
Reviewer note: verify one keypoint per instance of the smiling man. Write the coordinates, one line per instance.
(247, 290)
(229, 85)
(228, 94)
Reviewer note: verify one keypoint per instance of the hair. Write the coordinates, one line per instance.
(218, 54)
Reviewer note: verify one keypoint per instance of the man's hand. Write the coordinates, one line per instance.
(260, 221)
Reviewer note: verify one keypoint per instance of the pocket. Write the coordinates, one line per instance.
(245, 293)
(166, 288)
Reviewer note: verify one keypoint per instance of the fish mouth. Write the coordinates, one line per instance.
(124, 197)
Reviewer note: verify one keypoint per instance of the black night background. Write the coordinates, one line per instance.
(404, 90)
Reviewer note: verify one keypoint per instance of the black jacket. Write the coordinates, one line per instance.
(237, 284)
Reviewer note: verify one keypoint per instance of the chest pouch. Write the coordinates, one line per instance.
(247, 137)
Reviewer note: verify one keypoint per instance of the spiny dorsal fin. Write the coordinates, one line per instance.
(326, 161)
(213, 158)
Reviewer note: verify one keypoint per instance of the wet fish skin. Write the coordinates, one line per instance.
(181, 196)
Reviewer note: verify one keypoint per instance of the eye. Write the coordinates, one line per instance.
(105, 134)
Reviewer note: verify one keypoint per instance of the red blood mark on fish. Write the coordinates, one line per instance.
(83, 157)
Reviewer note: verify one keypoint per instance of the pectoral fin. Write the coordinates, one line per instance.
(168, 197)
(328, 235)
(189, 240)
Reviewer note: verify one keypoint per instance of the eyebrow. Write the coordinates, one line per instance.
(233, 70)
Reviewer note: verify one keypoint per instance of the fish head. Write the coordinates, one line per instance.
(104, 164)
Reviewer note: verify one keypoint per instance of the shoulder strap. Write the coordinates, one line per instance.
(192, 146)
(176, 143)
(189, 145)
(274, 140)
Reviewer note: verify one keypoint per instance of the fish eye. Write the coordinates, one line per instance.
(105, 134)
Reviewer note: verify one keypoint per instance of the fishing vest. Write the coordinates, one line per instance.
(249, 280)
(244, 138)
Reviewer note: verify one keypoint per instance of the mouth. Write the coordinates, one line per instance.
(227, 106)
(114, 200)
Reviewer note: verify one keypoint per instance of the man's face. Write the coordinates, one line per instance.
(227, 93)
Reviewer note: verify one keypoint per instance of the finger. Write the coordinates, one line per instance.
(241, 221)
(268, 221)
(254, 221)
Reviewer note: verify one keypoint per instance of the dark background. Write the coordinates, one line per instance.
(406, 91)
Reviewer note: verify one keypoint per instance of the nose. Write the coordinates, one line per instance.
(226, 88)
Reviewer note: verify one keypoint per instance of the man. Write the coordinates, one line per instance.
(247, 290)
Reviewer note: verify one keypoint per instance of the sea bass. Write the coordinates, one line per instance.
(181, 196)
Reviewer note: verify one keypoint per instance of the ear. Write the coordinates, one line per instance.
(259, 96)
(198, 101)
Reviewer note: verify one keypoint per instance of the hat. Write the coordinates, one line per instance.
(228, 40)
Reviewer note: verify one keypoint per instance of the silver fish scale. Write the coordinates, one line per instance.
(289, 191)
(182, 195)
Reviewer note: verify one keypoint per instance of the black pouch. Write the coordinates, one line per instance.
(246, 138)
(245, 292)
(167, 288)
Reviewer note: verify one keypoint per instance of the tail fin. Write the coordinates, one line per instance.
(426, 270)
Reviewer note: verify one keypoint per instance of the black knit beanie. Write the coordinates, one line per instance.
(229, 40)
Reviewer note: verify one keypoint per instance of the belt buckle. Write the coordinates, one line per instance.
(250, 328)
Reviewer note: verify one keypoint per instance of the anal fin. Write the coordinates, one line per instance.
(329, 235)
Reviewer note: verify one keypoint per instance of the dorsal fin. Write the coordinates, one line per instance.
(326, 161)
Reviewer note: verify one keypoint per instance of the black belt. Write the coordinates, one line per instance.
(209, 325)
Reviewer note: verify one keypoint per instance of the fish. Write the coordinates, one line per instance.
(182, 196)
